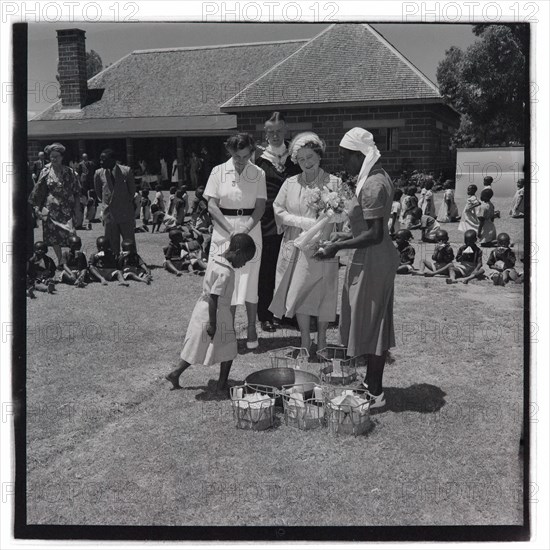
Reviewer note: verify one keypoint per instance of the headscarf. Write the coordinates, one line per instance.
(358, 139)
(54, 147)
(302, 139)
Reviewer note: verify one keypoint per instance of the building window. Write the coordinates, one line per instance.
(386, 139)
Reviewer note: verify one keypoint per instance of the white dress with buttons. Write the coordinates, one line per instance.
(238, 191)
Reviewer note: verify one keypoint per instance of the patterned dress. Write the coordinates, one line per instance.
(59, 196)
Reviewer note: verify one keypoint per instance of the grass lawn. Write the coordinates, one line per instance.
(109, 444)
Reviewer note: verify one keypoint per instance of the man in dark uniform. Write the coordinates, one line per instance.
(275, 161)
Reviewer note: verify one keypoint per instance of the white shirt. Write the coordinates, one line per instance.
(236, 190)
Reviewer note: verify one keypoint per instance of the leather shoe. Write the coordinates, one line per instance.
(267, 326)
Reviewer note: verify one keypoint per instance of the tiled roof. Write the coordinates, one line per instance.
(176, 82)
(344, 63)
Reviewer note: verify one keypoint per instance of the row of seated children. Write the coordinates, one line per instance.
(104, 266)
(185, 252)
(468, 263)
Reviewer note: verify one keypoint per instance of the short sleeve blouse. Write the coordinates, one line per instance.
(374, 197)
(236, 190)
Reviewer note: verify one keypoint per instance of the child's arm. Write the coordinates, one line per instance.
(492, 259)
(95, 273)
(212, 315)
(143, 265)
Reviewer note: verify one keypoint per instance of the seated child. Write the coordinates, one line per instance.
(406, 251)
(469, 260)
(210, 334)
(502, 262)
(469, 216)
(200, 217)
(132, 265)
(518, 209)
(181, 253)
(75, 265)
(193, 245)
(103, 264)
(40, 271)
(448, 211)
(158, 217)
(442, 258)
(394, 223)
(145, 208)
(428, 225)
(486, 214)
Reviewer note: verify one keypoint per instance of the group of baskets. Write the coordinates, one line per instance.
(325, 401)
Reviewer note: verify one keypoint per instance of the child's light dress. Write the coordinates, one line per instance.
(469, 219)
(199, 348)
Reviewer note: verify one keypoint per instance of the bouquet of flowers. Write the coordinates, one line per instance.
(330, 205)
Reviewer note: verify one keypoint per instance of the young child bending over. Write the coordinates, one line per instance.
(75, 265)
(486, 232)
(406, 251)
(442, 258)
(502, 262)
(210, 337)
(40, 270)
(103, 264)
(427, 225)
(469, 260)
(448, 211)
(132, 265)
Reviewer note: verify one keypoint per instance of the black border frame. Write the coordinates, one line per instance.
(22, 530)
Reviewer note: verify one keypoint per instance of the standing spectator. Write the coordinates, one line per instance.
(115, 187)
(163, 173)
(236, 200)
(194, 169)
(38, 166)
(275, 161)
(57, 191)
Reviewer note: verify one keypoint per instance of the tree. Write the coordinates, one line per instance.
(488, 85)
(94, 64)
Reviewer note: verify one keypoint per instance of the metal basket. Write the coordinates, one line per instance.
(300, 411)
(289, 357)
(336, 367)
(345, 418)
(248, 415)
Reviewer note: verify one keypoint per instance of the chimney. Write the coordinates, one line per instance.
(72, 68)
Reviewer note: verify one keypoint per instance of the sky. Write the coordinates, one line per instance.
(423, 44)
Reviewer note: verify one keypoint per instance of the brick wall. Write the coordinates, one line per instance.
(71, 45)
(423, 133)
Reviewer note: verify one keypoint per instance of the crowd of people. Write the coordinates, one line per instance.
(239, 232)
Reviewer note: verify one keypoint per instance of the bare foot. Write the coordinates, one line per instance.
(123, 283)
(104, 282)
(465, 282)
(179, 274)
(450, 281)
(174, 379)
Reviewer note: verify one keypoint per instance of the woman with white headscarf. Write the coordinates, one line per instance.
(366, 319)
(304, 286)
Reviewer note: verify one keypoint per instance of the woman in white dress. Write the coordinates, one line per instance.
(304, 286)
(236, 194)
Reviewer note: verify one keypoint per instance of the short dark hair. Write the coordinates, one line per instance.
(275, 117)
(238, 142)
(486, 195)
(487, 180)
(109, 153)
(243, 244)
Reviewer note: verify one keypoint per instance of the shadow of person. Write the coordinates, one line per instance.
(422, 398)
(268, 344)
(210, 392)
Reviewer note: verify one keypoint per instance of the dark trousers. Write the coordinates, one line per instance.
(268, 267)
(116, 232)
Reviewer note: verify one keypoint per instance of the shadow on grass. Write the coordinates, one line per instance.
(209, 392)
(269, 343)
(422, 398)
